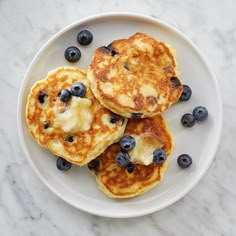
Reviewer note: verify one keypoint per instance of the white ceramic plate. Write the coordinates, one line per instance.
(78, 186)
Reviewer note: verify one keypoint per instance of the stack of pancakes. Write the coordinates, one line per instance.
(129, 83)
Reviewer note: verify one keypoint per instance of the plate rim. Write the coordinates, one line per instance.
(138, 17)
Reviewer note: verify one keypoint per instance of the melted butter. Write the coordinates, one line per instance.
(77, 117)
(146, 144)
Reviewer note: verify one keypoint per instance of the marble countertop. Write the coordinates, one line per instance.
(28, 207)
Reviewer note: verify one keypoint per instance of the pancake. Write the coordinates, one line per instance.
(77, 130)
(135, 77)
(116, 181)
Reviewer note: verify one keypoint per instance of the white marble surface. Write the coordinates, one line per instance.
(27, 207)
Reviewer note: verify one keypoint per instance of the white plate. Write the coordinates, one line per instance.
(78, 186)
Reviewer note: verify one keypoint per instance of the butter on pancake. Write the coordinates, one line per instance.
(116, 181)
(77, 130)
(135, 77)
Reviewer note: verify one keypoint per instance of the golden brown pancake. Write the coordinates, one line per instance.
(135, 77)
(77, 130)
(115, 181)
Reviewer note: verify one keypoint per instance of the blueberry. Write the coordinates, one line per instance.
(113, 53)
(188, 120)
(200, 113)
(115, 119)
(136, 115)
(122, 159)
(109, 50)
(130, 167)
(63, 164)
(184, 161)
(65, 95)
(84, 37)
(175, 81)
(110, 47)
(186, 94)
(126, 67)
(46, 125)
(72, 54)
(159, 156)
(127, 143)
(69, 139)
(41, 97)
(78, 89)
(105, 49)
(94, 165)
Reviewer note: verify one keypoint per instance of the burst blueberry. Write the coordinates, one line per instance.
(63, 164)
(115, 118)
(126, 67)
(122, 159)
(184, 161)
(69, 139)
(127, 143)
(188, 120)
(42, 96)
(78, 89)
(84, 37)
(136, 115)
(175, 81)
(200, 113)
(94, 165)
(65, 95)
(186, 94)
(72, 54)
(130, 167)
(46, 125)
(159, 156)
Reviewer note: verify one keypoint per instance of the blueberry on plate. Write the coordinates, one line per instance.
(65, 95)
(188, 120)
(200, 113)
(122, 159)
(72, 54)
(78, 89)
(186, 94)
(84, 37)
(159, 156)
(127, 143)
(63, 164)
(184, 161)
